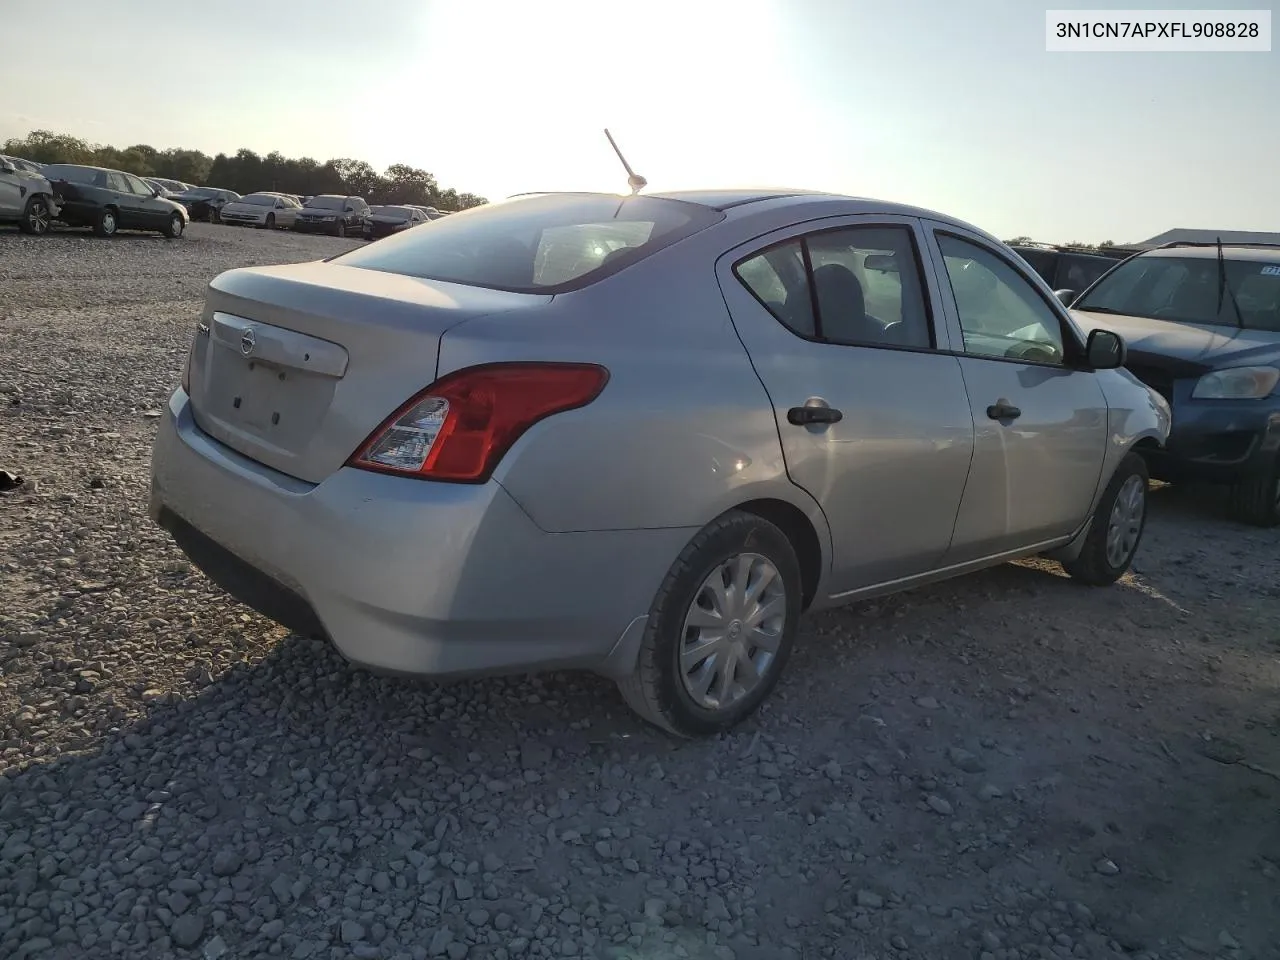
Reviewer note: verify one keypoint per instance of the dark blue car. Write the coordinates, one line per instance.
(1202, 324)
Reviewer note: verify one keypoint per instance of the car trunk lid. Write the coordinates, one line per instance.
(296, 365)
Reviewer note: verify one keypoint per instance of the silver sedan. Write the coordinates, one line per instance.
(642, 435)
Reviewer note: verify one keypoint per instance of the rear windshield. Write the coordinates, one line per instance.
(550, 243)
(326, 203)
(1186, 290)
(72, 174)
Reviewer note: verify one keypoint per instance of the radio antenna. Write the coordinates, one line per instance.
(634, 180)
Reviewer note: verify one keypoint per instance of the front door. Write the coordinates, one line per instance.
(871, 410)
(1039, 419)
(152, 213)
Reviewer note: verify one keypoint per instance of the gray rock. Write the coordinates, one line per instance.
(870, 899)
(938, 805)
(351, 931)
(966, 761)
(226, 862)
(1106, 867)
(187, 930)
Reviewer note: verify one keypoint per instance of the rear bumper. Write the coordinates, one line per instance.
(402, 575)
(1218, 440)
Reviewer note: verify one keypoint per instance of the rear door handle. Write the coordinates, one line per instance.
(1003, 410)
(806, 415)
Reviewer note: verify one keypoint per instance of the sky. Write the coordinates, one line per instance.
(956, 107)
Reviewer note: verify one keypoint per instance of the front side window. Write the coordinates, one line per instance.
(1001, 314)
(543, 244)
(139, 187)
(1191, 290)
(864, 281)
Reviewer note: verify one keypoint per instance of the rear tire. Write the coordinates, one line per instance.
(173, 230)
(36, 218)
(1116, 529)
(1255, 500)
(106, 224)
(713, 650)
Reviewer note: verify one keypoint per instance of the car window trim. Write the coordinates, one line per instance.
(1067, 329)
(802, 239)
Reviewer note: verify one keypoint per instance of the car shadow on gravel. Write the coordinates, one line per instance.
(935, 766)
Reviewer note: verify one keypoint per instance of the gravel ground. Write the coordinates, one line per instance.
(1001, 767)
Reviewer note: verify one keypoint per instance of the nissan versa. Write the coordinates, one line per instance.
(640, 435)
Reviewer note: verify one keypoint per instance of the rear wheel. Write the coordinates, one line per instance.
(36, 218)
(1255, 500)
(720, 629)
(1116, 528)
(106, 224)
(173, 229)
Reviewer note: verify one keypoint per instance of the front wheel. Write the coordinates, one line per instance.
(342, 230)
(1255, 500)
(213, 215)
(720, 629)
(105, 224)
(36, 218)
(271, 221)
(173, 229)
(1116, 528)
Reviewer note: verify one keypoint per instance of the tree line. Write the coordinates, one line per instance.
(246, 171)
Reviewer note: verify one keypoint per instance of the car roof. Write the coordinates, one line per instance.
(1209, 251)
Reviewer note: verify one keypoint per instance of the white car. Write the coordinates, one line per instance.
(270, 210)
(26, 198)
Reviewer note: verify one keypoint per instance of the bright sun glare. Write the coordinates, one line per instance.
(528, 114)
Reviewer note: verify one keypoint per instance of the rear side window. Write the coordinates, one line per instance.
(864, 282)
(84, 175)
(549, 243)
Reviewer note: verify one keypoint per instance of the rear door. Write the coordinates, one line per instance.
(12, 194)
(1040, 422)
(870, 408)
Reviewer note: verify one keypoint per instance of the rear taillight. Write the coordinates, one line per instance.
(460, 427)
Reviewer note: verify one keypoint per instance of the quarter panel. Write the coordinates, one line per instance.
(682, 431)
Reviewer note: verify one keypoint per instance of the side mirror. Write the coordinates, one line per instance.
(155, 192)
(1065, 297)
(1105, 350)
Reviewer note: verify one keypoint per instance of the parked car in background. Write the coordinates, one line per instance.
(1063, 267)
(431, 212)
(26, 198)
(659, 426)
(112, 200)
(269, 210)
(1203, 327)
(204, 203)
(173, 186)
(333, 214)
(163, 187)
(386, 220)
(24, 166)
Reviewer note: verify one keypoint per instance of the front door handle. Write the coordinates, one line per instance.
(1003, 410)
(811, 414)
